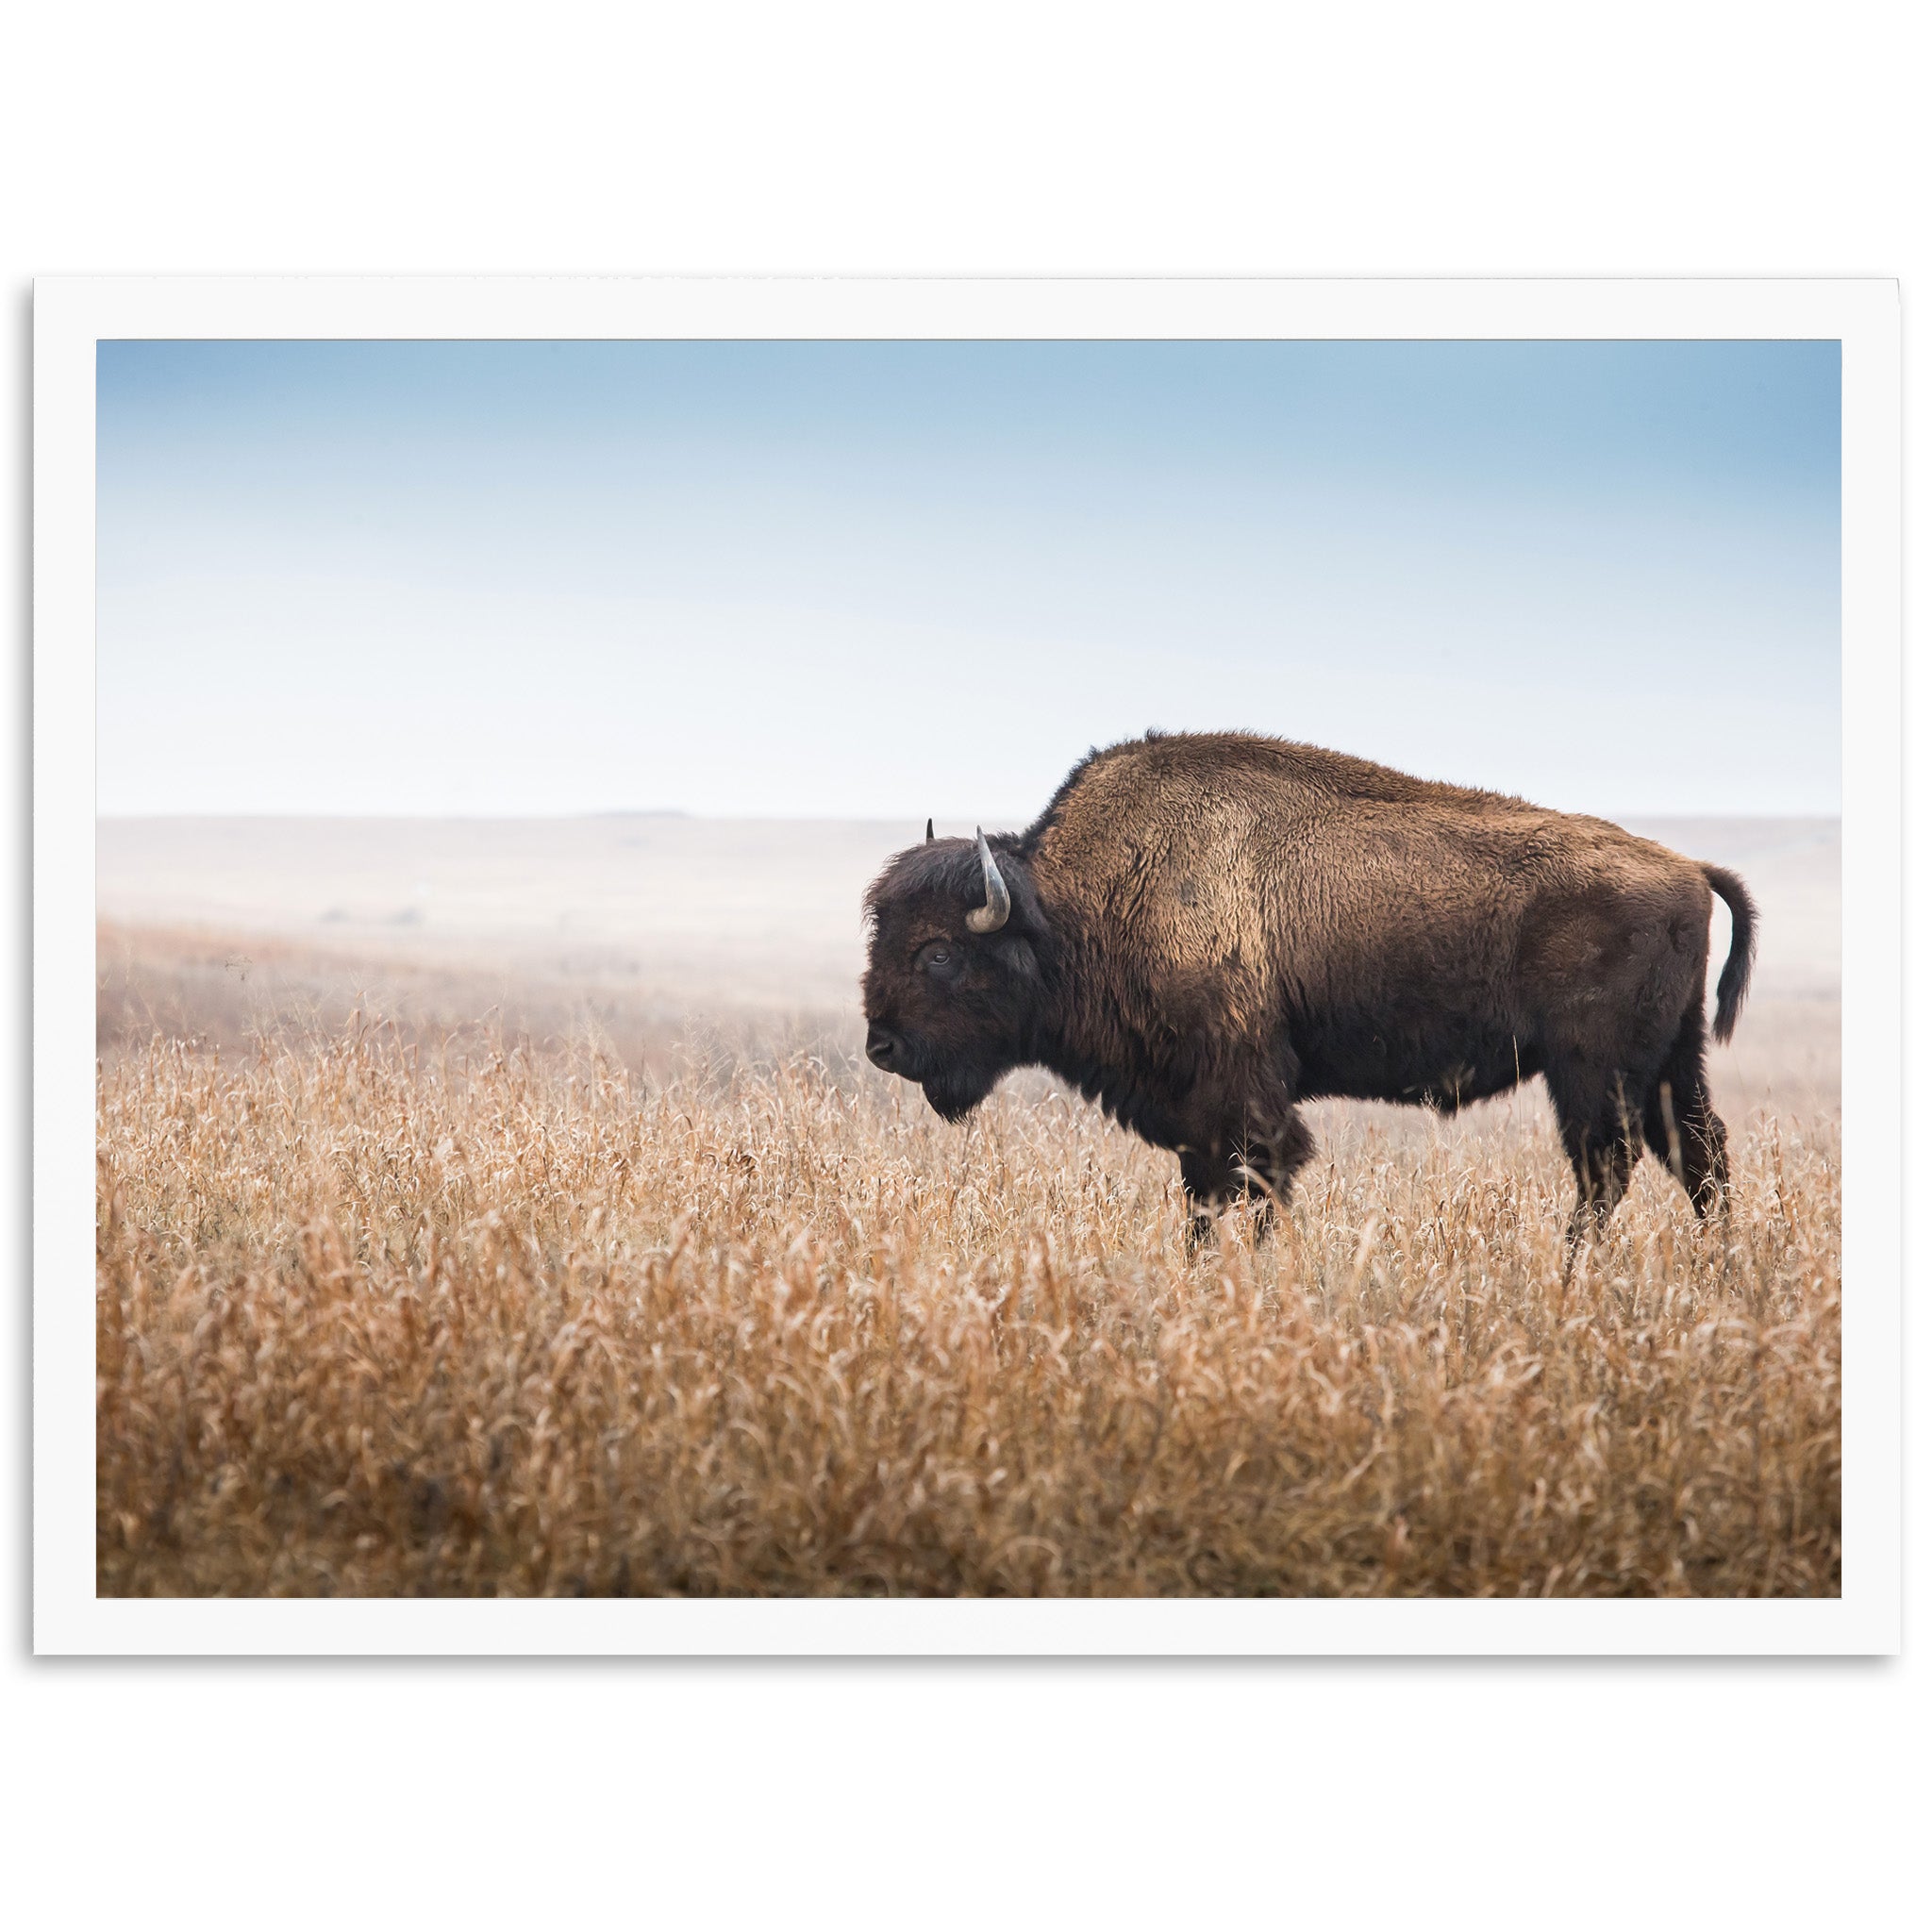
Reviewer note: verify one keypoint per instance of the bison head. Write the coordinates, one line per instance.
(953, 979)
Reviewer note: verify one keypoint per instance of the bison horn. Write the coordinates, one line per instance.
(993, 915)
(928, 831)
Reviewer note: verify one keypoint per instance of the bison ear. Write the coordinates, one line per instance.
(928, 831)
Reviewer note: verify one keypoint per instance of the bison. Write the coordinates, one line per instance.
(1202, 931)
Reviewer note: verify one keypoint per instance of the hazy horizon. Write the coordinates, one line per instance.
(874, 580)
(1007, 822)
(690, 906)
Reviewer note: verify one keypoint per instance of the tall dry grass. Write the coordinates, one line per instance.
(372, 1319)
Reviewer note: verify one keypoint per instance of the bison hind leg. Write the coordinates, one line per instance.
(1681, 1126)
(1600, 1132)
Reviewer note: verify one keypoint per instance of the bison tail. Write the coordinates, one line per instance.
(1736, 977)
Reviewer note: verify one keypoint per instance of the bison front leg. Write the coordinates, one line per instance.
(1241, 1164)
(1204, 1180)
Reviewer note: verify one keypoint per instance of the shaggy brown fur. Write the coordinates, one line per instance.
(1207, 930)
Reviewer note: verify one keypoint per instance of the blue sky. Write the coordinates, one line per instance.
(887, 579)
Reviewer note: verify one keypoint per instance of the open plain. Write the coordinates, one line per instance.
(506, 1207)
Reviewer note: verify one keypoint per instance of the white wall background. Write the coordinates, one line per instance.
(1682, 139)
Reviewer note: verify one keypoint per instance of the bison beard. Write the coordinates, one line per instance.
(954, 1091)
(1202, 931)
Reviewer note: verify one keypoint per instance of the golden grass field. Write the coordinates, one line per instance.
(474, 1286)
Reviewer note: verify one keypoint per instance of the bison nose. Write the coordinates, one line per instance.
(885, 1050)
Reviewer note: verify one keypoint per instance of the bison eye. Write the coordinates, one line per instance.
(938, 959)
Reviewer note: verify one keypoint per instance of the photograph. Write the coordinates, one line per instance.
(968, 967)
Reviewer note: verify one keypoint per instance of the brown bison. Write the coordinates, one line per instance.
(1200, 932)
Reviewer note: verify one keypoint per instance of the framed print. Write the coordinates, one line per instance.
(966, 966)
